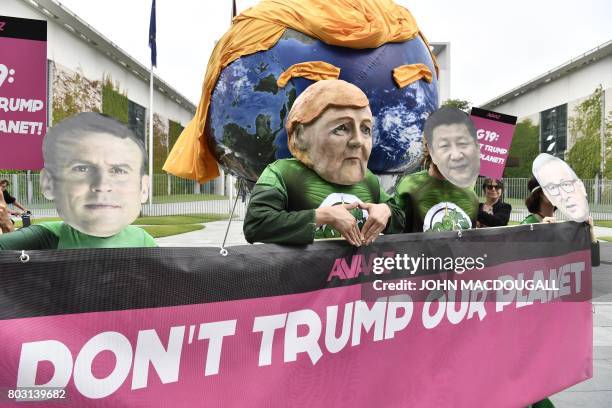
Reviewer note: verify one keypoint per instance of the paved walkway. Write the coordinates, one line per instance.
(212, 235)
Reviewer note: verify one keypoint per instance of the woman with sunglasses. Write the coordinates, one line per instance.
(493, 212)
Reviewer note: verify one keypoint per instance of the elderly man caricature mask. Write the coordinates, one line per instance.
(561, 186)
(330, 131)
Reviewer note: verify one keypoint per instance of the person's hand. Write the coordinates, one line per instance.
(5, 222)
(378, 216)
(487, 208)
(549, 220)
(592, 229)
(339, 217)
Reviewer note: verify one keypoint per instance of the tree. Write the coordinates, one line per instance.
(585, 129)
(524, 147)
(459, 104)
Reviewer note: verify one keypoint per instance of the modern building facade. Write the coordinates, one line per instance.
(551, 100)
(87, 72)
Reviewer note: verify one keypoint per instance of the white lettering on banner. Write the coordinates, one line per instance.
(52, 351)
(20, 104)
(495, 149)
(267, 325)
(305, 334)
(332, 343)
(215, 332)
(394, 322)
(308, 343)
(21, 127)
(487, 135)
(366, 317)
(165, 361)
(84, 379)
(492, 159)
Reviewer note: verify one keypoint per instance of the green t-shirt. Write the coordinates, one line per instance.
(59, 235)
(433, 204)
(284, 200)
(69, 238)
(532, 219)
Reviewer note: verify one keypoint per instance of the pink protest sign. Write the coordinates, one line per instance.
(23, 92)
(494, 131)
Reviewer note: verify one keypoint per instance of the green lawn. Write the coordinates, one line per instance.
(180, 219)
(158, 231)
(18, 223)
(182, 198)
(157, 199)
(607, 224)
(608, 239)
(160, 226)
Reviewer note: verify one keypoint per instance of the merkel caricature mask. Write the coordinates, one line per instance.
(330, 131)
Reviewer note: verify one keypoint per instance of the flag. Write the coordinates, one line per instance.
(152, 32)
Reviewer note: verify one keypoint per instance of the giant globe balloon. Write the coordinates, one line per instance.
(248, 110)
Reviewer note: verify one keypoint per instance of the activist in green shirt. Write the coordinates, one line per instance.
(326, 191)
(94, 172)
(59, 235)
(435, 204)
(442, 197)
(540, 209)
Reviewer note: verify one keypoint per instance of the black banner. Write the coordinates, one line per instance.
(55, 282)
(23, 28)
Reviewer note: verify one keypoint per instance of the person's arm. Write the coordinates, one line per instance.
(268, 220)
(6, 225)
(499, 218)
(403, 201)
(32, 238)
(397, 221)
(18, 205)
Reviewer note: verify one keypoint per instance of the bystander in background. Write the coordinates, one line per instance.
(494, 212)
(9, 199)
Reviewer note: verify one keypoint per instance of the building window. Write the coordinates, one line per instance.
(136, 120)
(553, 131)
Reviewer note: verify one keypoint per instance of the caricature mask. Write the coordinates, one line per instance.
(452, 144)
(94, 173)
(330, 131)
(561, 186)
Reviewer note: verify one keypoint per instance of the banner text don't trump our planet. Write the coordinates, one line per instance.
(499, 315)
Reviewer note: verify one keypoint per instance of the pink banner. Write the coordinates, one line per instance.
(23, 92)
(494, 132)
(325, 348)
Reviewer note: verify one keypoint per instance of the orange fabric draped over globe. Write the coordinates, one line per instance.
(344, 23)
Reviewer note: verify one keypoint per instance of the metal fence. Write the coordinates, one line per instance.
(177, 196)
(171, 196)
(599, 195)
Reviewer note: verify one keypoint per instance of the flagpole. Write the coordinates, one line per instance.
(151, 142)
(153, 46)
